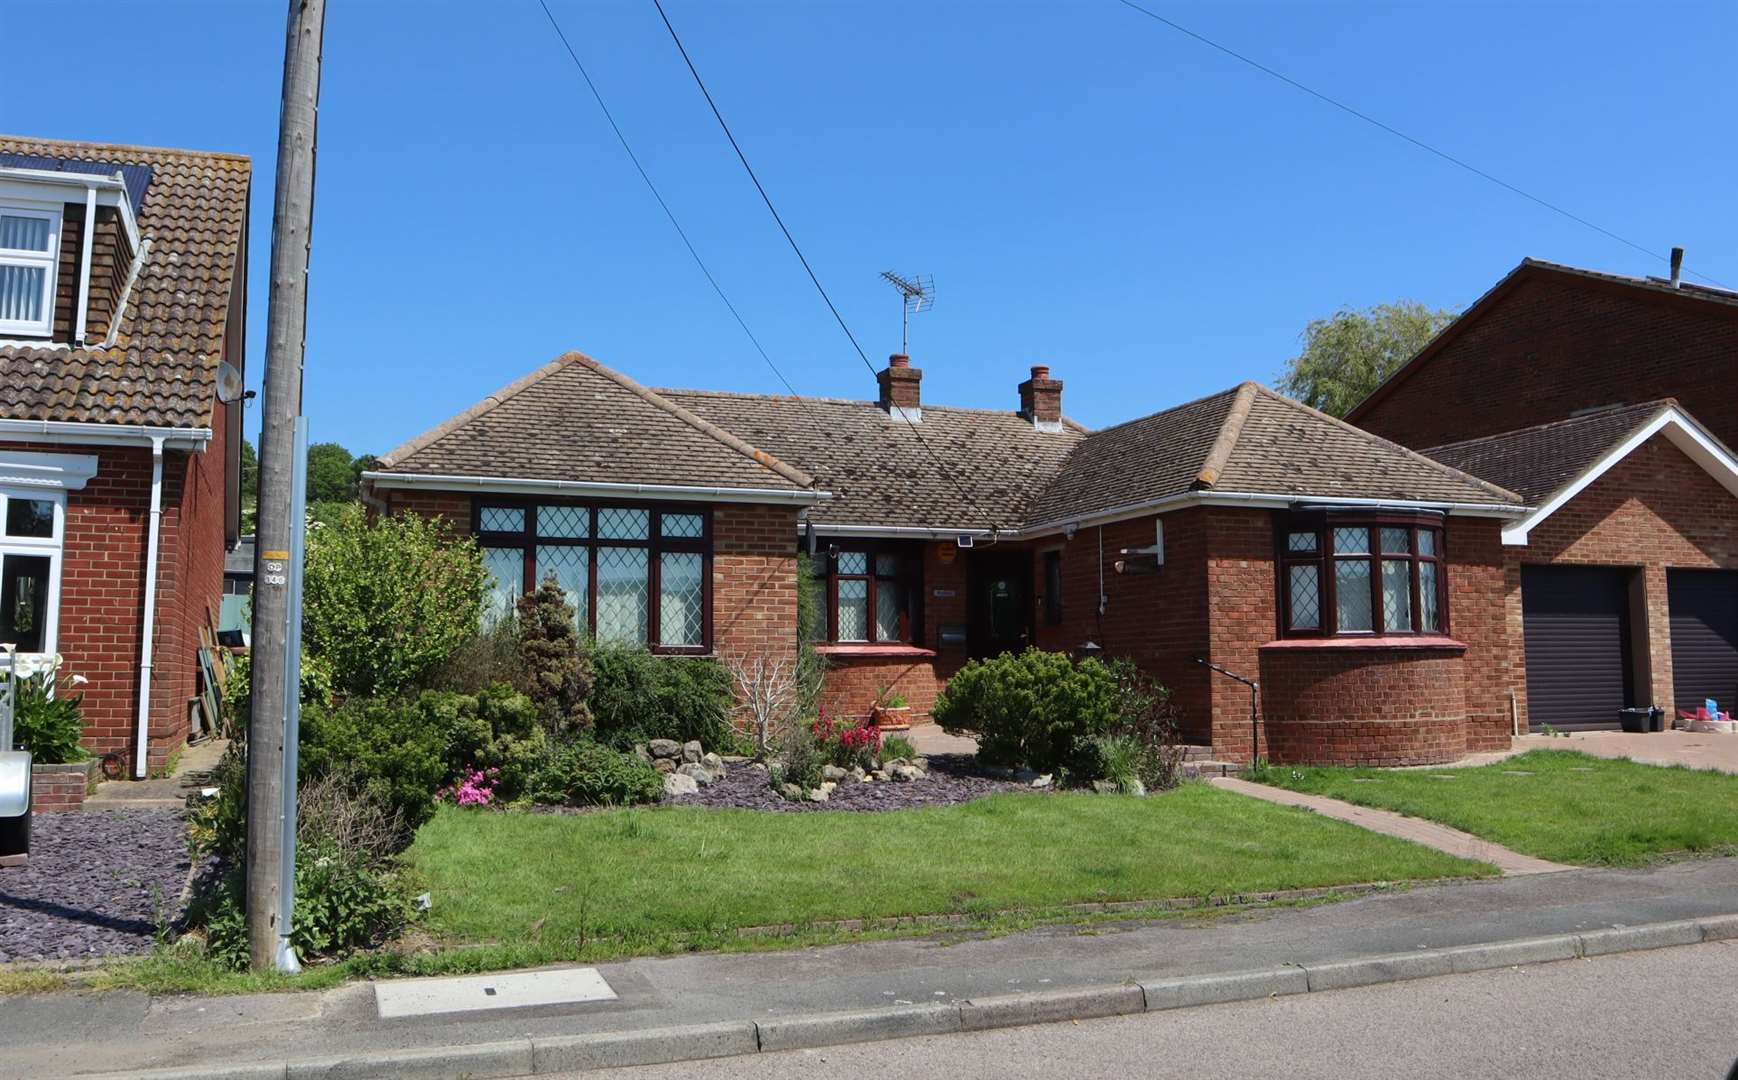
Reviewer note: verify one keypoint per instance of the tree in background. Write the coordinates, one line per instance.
(249, 486)
(334, 482)
(1347, 355)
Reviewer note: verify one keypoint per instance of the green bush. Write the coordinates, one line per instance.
(488, 658)
(1033, 708)
(498, 728)
(386, 601)
(316, 679)
(636, 696)
(1147, 715)
(556, 672)
(800, 757)
(897, 748)
(387, 750)
(588, 773)
(49, 724)
(1113, 757)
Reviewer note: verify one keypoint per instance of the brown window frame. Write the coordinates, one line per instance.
(909, 577)
(1322, 524)
(656, 545)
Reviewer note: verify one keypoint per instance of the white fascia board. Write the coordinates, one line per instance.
(503, 485)
(88, 434)
(27, 184)
(924, 532)
(1682, 431)
(61, 472)
(1261, 501)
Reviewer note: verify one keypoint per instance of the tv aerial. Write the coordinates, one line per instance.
(917, 294)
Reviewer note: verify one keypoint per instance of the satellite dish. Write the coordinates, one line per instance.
(230, 385)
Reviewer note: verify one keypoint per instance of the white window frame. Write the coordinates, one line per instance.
(52, 546)
(48, 261)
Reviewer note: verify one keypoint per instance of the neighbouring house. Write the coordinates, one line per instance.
(1360, 582)
(123, 276)
(236, 620)
(1606, 402)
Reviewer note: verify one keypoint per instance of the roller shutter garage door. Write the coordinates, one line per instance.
(1575, 623)
(1704, 621)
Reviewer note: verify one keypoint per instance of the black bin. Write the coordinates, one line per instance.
(1637, 721)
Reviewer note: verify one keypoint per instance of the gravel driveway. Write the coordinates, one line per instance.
(99, 883)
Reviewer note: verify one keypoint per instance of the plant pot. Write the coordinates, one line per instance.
(891, 718)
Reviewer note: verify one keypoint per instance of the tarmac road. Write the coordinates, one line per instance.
(1668, 1013)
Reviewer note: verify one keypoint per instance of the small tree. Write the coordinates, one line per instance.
(1347, 355)
(557, 673)
(385, 601)
(770, 693)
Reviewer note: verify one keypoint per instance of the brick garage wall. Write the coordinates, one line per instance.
(1557, 344)
(1354, 706)
(1158, 619)
(1653, 511)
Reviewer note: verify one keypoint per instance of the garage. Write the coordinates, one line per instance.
(1704, 623)
(1575, 626)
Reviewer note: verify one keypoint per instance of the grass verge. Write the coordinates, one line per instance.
(1560, 805)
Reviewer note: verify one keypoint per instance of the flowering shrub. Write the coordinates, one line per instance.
(844, 744)
(50, 715)
(475, 787)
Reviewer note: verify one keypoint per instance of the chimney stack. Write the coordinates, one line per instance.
(1677, 267)
(1041, 399)
(899, 388)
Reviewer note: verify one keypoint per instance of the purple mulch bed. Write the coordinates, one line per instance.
(99, 883)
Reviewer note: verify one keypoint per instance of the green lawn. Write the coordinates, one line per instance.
(663, 879)
(1567, 807)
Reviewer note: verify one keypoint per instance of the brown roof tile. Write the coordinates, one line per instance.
(1536, 461)
(162, 368)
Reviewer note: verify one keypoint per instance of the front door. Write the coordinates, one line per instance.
(1001, 602)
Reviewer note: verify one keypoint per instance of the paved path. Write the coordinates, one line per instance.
(192, 771)
(58, 1034)
(1613, 1017)
(1417, 830)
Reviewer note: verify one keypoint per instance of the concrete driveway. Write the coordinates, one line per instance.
(1655, 748)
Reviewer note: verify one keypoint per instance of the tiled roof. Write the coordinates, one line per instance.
(1536, 461)
(162, 368)
(1248, 440)
(576, 420)
(985, 470)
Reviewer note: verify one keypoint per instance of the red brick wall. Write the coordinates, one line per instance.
(1349, 706)
(1654, 510)
(1557, 344)
(449, 506)
(1478, 618)
(754, 581)
(57, 788)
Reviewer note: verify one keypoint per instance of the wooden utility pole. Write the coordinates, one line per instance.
(286, 324)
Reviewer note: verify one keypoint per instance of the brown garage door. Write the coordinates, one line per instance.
(1576, 628)
(1704, 606)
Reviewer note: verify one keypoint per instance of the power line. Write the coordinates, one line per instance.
(792, 240)
(668, 213)
(1419, 143)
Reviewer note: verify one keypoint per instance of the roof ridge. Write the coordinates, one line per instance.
(1229, 430)
(1653, 406)
(128, 148)
(488, 403)
(750, 395)
(704, 426)
(1165, 411)
(1308, 410)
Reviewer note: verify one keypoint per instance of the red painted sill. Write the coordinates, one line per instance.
(891, 652)
(1390, 641)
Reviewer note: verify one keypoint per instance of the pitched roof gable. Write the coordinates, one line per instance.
(1650, 289)
(575, 420)
(162, 368)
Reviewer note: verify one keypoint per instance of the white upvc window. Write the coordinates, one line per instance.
(32, 534)
(29, 255)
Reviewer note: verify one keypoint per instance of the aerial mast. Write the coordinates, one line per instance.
(917, 294)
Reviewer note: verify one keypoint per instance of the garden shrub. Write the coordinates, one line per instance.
(49, 721)
(586, 772)
(387, 750)
(898, 748)
(800, 757)
(1113, 757)
(490, 657)
(1033, 708)
(846, 745)
(636, 696)
(498, 729)
(387, 600)
(316, 680)
(1147, 715)
(557, 675)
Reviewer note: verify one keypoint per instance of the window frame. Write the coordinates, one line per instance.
(909, 576)
(1322, 524)
(656, 545)
(52, 546)
(49, 261)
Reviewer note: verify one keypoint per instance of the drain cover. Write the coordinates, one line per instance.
(512, 990)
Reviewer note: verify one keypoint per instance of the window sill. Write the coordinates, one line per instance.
(1387, 641)
(914, 652)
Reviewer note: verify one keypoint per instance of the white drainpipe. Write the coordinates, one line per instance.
(140, 769)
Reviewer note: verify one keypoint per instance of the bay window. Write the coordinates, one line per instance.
(868, 595)
(1345, 573)
(634, 575)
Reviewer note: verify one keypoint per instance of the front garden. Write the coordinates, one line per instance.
(1558, 805)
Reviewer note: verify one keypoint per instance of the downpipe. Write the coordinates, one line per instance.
(141, 753)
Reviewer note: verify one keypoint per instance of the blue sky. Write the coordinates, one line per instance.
(1090, 189)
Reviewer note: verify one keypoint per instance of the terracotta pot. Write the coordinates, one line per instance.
(891, 718)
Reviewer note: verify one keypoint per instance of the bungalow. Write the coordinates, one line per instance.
(1606, 402)
(1359, 582)
(122, 302)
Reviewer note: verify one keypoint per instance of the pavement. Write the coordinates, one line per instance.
(743, 997)
(1654, 748)
(1645, 1014)
(192, 771)
(1387, 822)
